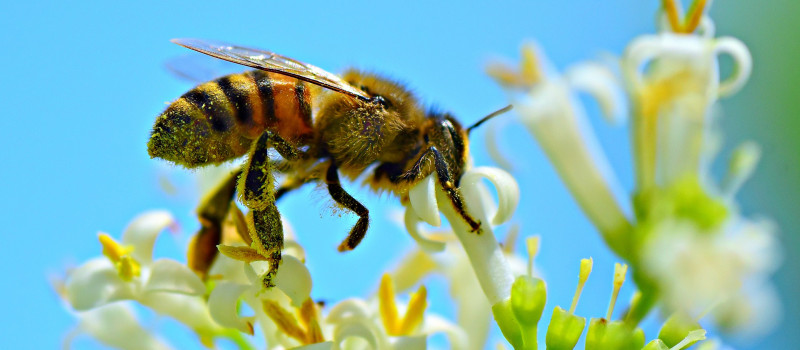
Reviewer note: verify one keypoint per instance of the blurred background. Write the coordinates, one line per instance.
(82, 84)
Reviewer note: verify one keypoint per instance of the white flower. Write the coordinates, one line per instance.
(128, 272)
(115, 325)
(673, 81)
(722, 271)
(547, 105)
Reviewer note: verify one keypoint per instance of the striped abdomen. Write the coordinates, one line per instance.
(216, 121)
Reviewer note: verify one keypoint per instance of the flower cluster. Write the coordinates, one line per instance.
(691, 252)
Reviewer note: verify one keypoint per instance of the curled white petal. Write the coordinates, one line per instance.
(507, 190)
(411, 221)
(116, 325)
(96, 283)
(222, 305)
(294, 280)
(361, 329)
(455, 335)
(598, 80)
(167, 275)
(743, 64)
(346, 309)
(423, 200)
(141, 233)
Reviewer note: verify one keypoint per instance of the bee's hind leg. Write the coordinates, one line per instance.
(211, 213)
(345, 199)
(257, 192)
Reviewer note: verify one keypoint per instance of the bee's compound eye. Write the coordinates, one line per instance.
(382, 101)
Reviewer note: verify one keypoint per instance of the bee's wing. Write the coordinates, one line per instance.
(197, 69)
(272, 62)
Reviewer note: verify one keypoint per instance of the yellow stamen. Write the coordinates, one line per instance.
(530, 66)
(241, 253)
(583, 275)
(532, 244)
(284, 320)
(111, 249)
(128, 268)
(415, 311)
(387, 306)
(619, 279)
(310, 319)
(690, 21)
(511, 239)
(672, 15)
(694, 16)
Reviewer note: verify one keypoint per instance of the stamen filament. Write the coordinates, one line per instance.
(619, 279)
(585, 270)
(532, 244)
(415, 312)
(388, 309)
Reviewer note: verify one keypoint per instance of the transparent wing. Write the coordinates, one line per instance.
(197, 69)
(272, 62)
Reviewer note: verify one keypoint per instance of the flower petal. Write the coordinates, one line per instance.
(455, 335)
(423, 200)
(190, 310)
(141, 233)
(167, 275)
(411, 221)
(115, 325)
(507, 190)
(222, 304)
(318, 346)
(294, 279)
(96, 283)
(598, 80)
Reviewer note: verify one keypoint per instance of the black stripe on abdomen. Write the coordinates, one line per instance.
(239, 97)
(264, 84)
(218, 115)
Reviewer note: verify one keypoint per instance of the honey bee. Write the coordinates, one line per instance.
(320, 124)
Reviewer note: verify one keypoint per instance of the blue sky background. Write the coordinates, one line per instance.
(82, 83)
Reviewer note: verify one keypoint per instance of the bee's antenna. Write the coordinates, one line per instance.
(490, 116)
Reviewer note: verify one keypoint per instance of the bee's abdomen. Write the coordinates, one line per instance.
(217, 120)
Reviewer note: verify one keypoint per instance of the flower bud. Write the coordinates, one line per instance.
(564, 330)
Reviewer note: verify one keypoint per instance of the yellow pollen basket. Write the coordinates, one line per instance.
(396, 326)
(127, 266)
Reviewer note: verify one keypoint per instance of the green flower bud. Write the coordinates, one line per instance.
(528, 296)
(613, 335)
(676, 328)
(507, 323)
(564, 330)
(656, 344)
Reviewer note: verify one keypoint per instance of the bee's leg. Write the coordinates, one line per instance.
(211, 213)
(345, 199)
(447, 181)
(256, 188)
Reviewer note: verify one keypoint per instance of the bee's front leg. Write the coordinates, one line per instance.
(448, 183)
(338, 194)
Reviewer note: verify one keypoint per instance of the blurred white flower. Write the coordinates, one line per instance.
(547, 105)
(724, 272)
(117, 326)
(673, 81)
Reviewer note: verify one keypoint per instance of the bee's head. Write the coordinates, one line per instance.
(448, 136)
